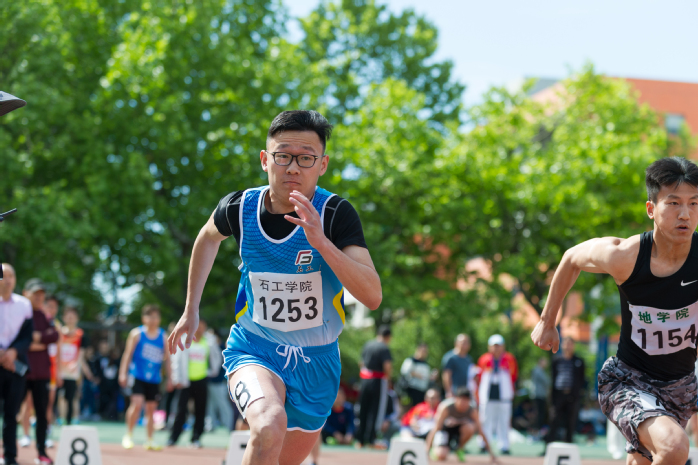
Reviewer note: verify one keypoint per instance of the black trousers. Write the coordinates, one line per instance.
(565, 409)
(197, 390)
(39, 390)
(70, 388)
(541, 412)
(11, 392)
(370, 396)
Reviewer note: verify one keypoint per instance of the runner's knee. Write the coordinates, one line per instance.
(267, 426)
(672, 449)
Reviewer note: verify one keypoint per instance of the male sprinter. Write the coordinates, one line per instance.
(648, 390)
(144, 356)
(300, 247)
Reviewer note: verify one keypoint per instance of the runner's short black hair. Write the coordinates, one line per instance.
(301, 120)
(668, 172)
(384, 331)
(463, 391)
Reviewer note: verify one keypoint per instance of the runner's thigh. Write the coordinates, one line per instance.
(272, 387)
(659, 434)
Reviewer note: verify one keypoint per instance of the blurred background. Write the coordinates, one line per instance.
(477, 140)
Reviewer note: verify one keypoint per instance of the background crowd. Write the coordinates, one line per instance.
(61, 376)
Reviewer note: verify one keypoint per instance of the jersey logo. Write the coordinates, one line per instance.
(686, 284)
(304, 257)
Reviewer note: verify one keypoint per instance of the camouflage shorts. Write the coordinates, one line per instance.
(628, 397)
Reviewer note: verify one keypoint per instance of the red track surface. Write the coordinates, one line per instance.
(114, 454)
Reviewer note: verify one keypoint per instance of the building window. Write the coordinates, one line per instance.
(673, 122)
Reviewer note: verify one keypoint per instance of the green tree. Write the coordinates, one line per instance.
(547, 176)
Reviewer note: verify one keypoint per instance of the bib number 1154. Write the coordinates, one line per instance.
(671, 337)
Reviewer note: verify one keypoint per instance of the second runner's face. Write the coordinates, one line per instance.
(286, 179)
(676, 211)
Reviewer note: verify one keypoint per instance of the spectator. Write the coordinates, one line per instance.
(90, 389)
(420, 419)
(391, 418)
(189, 370)
(51, 311)
(143, 360)
(71, 363)
(568, 383)
(376, 367)
(109, 386)
(219, 404)
(415, 373)
(16, 333)
(39, 374)
(457, 367)
(541, 385)
(456, 422)
(498, 373)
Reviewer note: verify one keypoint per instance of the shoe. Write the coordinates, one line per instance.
(196, 444)
(127, 442)
(505, 452)
(150, 445)
(169, 443)
(49, 444)
(460, 453)
(44, 460)
(432, 455)
(25, 441)
(483, 450)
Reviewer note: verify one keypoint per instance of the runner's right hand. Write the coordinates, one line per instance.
(545, 337)
(187, 324)
(123, 379)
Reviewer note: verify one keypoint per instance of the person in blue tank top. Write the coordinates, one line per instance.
(142, 362)
(300, 247)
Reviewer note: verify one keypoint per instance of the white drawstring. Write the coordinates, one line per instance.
(289, 351)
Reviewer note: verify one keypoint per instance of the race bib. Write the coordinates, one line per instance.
(661, 332)
(287, 302)
(69, 352)
(152, 353)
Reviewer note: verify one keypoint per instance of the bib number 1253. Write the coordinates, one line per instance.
(287, 302)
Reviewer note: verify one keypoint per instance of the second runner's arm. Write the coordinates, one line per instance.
(601, 255)
(202, 257)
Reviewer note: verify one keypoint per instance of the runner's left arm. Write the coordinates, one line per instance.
(352, 265)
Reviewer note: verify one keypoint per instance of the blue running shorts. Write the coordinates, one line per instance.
(311, 374)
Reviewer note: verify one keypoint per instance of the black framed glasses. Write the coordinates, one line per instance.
(304, 160)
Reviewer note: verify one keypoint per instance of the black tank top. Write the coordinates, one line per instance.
(659, 316)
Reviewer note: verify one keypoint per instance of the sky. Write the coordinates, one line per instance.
(497, 42)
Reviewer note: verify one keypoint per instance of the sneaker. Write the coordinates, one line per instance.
(44, 460)
(127, 442)
(49, 443)
(196, 444)
(150, 445)
(505, 452)
(169, 443)
(432, 455)
(460, 453)
(25, 441)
